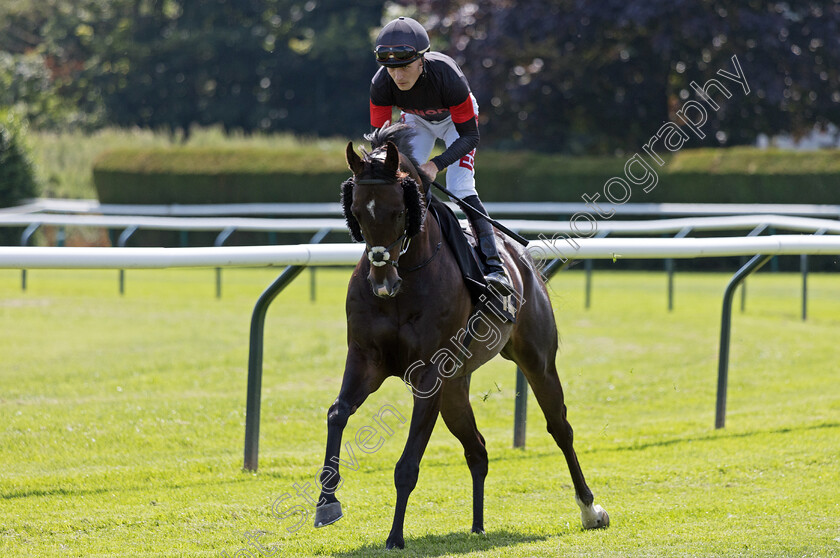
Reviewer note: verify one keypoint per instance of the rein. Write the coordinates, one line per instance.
(430, 258)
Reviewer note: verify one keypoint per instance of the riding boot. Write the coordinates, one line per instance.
(494, 272)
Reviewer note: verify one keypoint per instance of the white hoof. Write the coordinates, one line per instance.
(593, 516)
(597, 519)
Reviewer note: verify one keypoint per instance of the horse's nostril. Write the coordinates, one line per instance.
(381, 289)
(396, 288)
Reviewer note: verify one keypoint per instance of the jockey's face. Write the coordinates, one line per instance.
(406, 76)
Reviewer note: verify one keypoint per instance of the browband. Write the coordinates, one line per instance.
(374, 181)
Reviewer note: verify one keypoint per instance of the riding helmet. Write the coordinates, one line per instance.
(401, 42)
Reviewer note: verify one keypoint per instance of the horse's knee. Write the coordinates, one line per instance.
(478, 467)
(405, 475)
(561, 431)
(477, 461)
(338, 414)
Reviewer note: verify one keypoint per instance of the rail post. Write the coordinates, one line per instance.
(803, 267)
(725, 328)
(255, 359)
(669, 267)
(24, 240)
(220, 240)
(121, 242)
(755, 232)
(316, 239)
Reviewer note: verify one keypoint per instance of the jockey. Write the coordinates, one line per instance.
(435, 99)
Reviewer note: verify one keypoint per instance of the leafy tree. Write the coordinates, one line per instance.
(581, 76)
(576, 76)
(17, 175)
(323, 86)
(42, 61)
(252, 64)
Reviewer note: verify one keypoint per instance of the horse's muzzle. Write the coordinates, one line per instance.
(386, 289)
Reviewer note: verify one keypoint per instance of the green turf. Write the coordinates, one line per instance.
(123, 422)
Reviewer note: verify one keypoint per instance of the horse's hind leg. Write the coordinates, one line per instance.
(458, 415)
(549, 393)
(533, 347)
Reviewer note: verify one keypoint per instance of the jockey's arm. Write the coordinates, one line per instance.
(380, 116)
(467, 141)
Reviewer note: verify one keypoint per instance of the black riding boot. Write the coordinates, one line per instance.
(494, 271)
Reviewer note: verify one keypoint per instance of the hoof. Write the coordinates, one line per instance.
(328, 514)
(394, 543)
(598, 520)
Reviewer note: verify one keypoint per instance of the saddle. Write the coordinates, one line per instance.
(464, 247)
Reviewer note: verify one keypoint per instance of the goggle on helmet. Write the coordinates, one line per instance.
(401, 42)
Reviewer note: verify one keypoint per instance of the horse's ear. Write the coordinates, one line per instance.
(353, 160)
(347, 207)
(392, 157)
(416, 209)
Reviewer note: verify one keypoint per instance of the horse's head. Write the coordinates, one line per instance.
(384, 209)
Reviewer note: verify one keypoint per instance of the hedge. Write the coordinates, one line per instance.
(17, 174)
(195, 175)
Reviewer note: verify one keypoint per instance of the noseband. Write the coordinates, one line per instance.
(381, 255)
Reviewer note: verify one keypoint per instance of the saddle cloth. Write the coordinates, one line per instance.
(463, 246)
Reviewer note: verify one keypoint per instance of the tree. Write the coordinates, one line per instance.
(255, 65)
(43, 55)
(17, 175)
(601, 76)
(322, 87)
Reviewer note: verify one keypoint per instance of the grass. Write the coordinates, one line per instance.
(123, 421)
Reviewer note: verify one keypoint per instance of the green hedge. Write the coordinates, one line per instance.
(734, 175)
(195, 175)
(17, 174)
(242, 175)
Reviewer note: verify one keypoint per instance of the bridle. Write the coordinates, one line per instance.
(379, 256)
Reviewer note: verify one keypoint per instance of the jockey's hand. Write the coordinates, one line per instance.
(430, 169)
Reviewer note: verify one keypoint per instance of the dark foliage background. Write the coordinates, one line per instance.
(570, 76)
(596, 77)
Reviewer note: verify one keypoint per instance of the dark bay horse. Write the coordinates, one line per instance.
(407, 307)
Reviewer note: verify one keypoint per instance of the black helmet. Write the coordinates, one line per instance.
(401, 42)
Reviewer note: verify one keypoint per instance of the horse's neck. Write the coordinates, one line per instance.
(407, 166)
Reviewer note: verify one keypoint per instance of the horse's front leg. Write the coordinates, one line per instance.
(427, 399)
(360, 380)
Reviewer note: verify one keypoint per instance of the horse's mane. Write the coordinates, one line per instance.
(400, 134)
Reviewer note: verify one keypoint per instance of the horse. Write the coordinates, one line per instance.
(406, 303)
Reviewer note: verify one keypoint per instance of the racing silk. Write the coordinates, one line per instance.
(441, 91)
